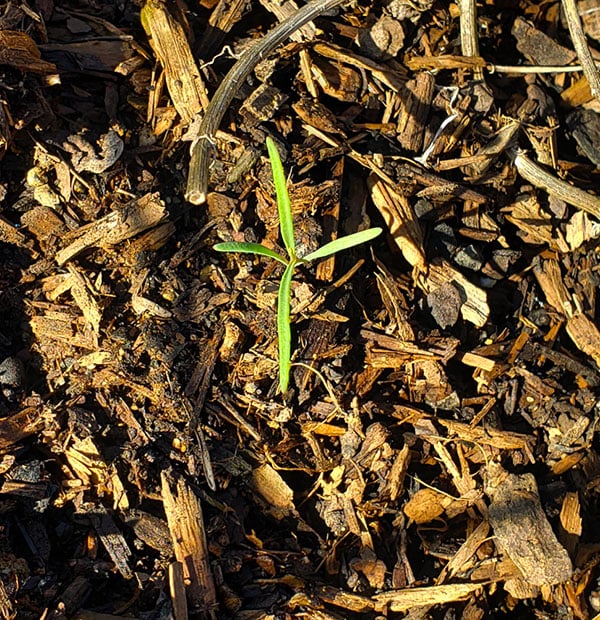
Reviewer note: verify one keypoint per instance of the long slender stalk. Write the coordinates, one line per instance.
(469, 42)
(581, 47)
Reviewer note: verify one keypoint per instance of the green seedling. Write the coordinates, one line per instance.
(286, 226)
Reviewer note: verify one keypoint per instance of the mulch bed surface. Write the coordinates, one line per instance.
(435, 454)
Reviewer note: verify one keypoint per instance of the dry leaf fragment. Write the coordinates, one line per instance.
(426, 505)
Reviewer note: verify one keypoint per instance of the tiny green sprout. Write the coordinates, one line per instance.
(286, 227)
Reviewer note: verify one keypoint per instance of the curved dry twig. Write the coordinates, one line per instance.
(197, 184)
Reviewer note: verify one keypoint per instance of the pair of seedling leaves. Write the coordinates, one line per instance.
(286, 226)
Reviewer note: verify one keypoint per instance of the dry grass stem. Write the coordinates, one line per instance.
(583, 51)
(469, 42)
(574, 196)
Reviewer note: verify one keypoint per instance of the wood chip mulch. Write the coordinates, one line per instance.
(435, 455)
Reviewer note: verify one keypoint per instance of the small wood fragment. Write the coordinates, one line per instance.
(167, 38)
(577, 94)
(80, 289)
(336, 80)
(436, 185)
(585, 335)
(223, 17)
(538, 47)
(283, 11)
(391, 78)
(411, 598)
(570, 522)
(415, 111)
(188, 535)
(461, 561)
(346, 600)
(522, 529)
(474, 308)
(274, 490)
(495, 438)
(401, 221)
(551, 281)
(116, 227)
(15, 427)
(445, 61)
(177, 590)
(112, 539)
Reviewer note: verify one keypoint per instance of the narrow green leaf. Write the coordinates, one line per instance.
(284, 330)
(249, 248)
(343, 243)
(286, 220)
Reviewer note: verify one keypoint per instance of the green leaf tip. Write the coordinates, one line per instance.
(343, 243)
(249, 248)
(284, 206)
